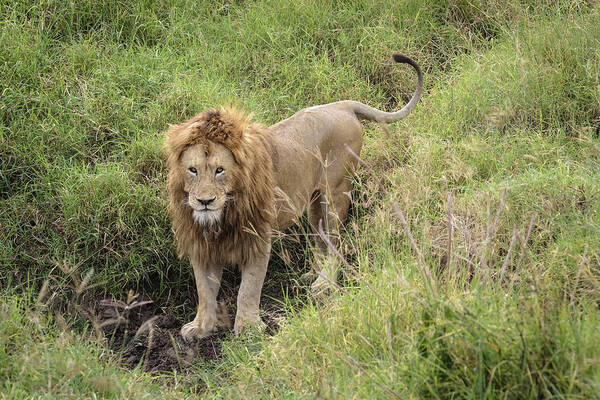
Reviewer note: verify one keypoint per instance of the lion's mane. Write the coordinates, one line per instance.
(249, 215)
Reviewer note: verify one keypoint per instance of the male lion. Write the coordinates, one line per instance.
(232, 182)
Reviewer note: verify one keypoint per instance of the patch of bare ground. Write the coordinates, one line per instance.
(142, 333)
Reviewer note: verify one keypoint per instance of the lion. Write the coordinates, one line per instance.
(233, 182)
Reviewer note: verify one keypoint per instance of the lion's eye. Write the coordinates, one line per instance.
(192, 170)
(219, 170)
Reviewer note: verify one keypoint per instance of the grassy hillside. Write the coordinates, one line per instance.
(512, 103)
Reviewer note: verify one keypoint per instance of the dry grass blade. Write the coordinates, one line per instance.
(346, 263)
(131, 296)
(376, 381)
(146, 326)
(92, 318)
(364, 164)
(148, 347)
(388, 331)
(413, 243)
(513, 240)
(138, 304)
(113, 321)
(181, 362)
(360, 160)
(43, 292)
(449, 223)
(385, 128)
(121, 304)
(70, 272)
(471, 255)
(60, 320)
(492, 229)
(526, 240)
(83, 284)
(113, 303)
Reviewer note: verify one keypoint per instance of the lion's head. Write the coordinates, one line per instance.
(221, 200)
(208, 180)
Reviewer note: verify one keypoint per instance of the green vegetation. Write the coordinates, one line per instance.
(512, 102)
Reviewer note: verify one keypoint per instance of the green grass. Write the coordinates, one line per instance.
(512, 102)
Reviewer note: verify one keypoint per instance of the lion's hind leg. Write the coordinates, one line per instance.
(330, 213)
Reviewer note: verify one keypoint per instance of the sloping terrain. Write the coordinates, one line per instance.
(496, 173)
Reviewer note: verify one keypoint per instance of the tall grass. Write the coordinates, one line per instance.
(502, 320)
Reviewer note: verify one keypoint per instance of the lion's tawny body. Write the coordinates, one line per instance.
(232, 183)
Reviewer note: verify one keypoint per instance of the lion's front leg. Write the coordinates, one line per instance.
(253, 276)
(208, 281)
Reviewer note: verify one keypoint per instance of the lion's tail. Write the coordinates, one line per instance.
(364, 111)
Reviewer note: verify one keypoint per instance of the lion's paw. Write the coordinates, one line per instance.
(244, 323)
(193, 330)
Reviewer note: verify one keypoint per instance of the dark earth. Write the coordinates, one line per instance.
(141, 333)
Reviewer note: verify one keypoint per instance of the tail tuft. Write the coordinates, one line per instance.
(399, 58)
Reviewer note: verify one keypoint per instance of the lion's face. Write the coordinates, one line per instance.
(220, 186)
(209, 170)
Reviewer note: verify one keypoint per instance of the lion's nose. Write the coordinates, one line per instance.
(205, 202)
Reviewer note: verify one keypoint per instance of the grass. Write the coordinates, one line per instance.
(512, 102)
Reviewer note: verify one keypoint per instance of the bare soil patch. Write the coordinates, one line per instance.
(142, 333)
